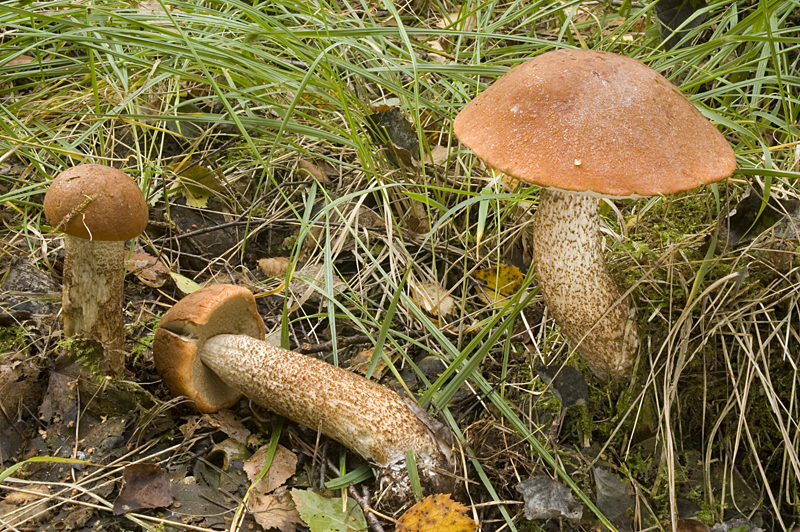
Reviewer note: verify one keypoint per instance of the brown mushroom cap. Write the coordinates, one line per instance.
(220, 309)
(101, 203)
(597, 122)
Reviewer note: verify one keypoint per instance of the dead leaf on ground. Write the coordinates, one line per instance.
(433, 298)
(273, 266)
(307, 168)
(19, 508)
(361, 361)
(438, 155)
(143, 486)
(436, 513)
(546, 498)
(198, 182)
(308, 283)
(275, 510)
(148, 269)
(502, 282)
(228, 423)
(280, 470)
(451, 19)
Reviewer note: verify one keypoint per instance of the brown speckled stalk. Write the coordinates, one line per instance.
(576, 284)
(91, 299)
(366, 417)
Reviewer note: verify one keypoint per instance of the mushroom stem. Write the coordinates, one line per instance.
(92, 295)
(366, 417)
(576, 284)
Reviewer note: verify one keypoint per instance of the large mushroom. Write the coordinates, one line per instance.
(209, 347)
(98, 208)
(582, 125)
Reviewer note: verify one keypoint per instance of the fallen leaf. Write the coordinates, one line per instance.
(228, 423)
(308, 286)
(198, 182)
(546, 498)
(361, 361)
(143, 486)
(612, 494)
(307, 168)
(502, 281)
(283, 466)
(323, 515)
(273, 266)
(184, 284)
(433, 298)
(276, 510)
(148, 269)
(436, 513)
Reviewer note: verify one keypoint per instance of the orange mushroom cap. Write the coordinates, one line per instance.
(595, 122)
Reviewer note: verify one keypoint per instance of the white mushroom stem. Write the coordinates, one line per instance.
(92, 291)
(577, 286)
(366, 417)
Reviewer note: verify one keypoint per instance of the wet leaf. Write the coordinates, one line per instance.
(326, 515)
(612, 494)
(436, 513)
(566, 383)
(546, 498)
(143, 486)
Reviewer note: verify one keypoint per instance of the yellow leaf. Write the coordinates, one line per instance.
(184, 284)
(502, 281)
(436, 513)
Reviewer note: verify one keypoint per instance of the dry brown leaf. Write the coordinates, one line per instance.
(360, 363)
(307, 168)
(275, 510)
(306, 283)
(436, 513)
(148, 269)
(280, 470)
(273, 266)
(439, 154)
(433, 298)
(228, 423)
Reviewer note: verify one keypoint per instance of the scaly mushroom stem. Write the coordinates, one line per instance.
(92, 296)
(366, 417)
(576, 285)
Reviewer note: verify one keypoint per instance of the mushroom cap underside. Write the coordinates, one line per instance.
(99, 202)
(595, 122)
(214, 310)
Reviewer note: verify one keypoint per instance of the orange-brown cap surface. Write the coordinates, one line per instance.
(596, 122)
(217, 309)
(100, 203)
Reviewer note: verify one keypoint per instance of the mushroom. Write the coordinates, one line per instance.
(209, 347)
(583, 124)
(98, 208)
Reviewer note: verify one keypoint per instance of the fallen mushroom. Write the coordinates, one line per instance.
(98, 208)
(209, 347)
(582, 125)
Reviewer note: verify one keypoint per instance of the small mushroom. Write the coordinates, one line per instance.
(98, 208)
(582, 125)
(209, 347)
